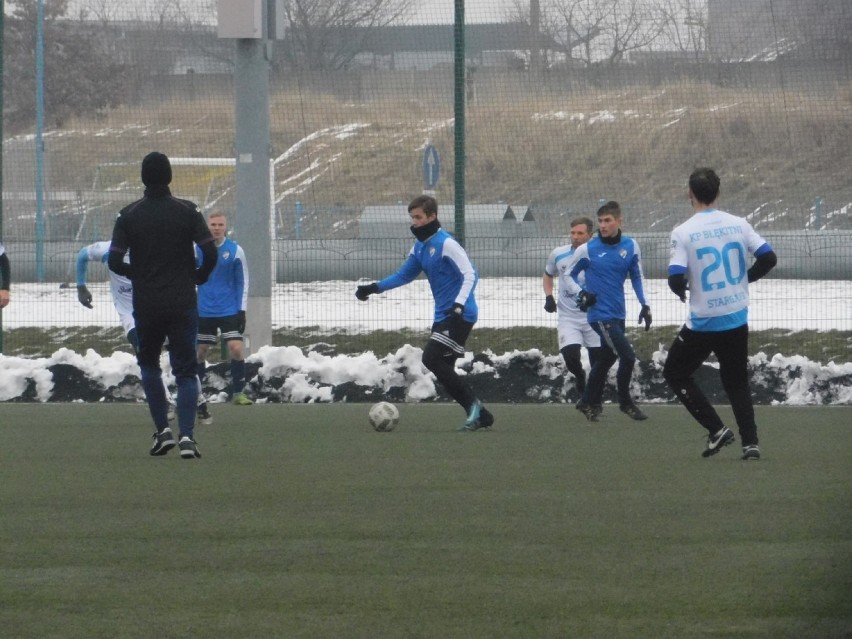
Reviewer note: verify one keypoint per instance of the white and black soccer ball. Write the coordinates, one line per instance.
(384, 417)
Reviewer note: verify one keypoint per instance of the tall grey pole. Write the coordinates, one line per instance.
(458, 113)
(2, 27)
(251, 221)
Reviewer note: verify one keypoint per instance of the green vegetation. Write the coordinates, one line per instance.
(556, 149)
(817, 346)
(300, 521)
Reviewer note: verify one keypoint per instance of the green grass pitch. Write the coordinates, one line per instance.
(300, 521)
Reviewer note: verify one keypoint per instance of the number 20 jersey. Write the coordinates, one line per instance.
(712, 249)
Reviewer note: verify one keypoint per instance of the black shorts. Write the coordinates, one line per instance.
(209, 327)
(692, 348)
(451, 335)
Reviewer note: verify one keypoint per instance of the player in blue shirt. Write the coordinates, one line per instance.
(607, 260)
(452, 279)
(222, 308)
(708, 259)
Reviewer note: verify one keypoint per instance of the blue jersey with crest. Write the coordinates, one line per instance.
(225, 293)
(451, 275)
(607, 267)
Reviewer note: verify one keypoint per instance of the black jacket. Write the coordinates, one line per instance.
(159, 231)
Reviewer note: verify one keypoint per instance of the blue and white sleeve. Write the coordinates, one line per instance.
(455, 253)
(241, 276)
(637, 279)
(82, 265)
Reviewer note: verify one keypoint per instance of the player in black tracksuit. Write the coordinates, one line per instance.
(160, 231)
(5, 277)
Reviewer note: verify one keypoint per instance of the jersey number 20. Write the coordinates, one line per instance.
(730, 259)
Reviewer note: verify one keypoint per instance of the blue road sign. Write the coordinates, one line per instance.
(431, 167)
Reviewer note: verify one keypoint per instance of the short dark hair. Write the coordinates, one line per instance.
(577, 221)
(425, 202)
(704, 184)
(612, 208)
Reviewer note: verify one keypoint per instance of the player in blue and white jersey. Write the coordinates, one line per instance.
(452, 279)
(119, 286)
(708, 259)
(5, 277)
(573, 329)
(222, 304)
(607, 260)
(121, 290)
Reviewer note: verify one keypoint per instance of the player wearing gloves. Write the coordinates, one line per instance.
(222, 308)
(708, 259)
(607, 260)
(452, 280)
(573, 329)
(121, 291)
(120, 288)
(159, 231)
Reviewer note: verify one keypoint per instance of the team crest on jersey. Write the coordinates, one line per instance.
(431, 251)
(226, 255)
(623, 253)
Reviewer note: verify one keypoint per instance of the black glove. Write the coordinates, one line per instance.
(456, 314)
(585, 300)
(84, 297)
(645, 316)
(365, 290)
(550, 304)
(679, 285)
(241, 321)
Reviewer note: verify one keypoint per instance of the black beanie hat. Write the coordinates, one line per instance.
(156, 169)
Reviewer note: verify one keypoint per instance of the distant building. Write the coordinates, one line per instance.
(429, 46)
(763, 30)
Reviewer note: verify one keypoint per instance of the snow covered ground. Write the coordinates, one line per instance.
(286, 374)
(503, 302)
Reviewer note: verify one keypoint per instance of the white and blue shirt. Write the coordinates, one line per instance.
(449, 271)
(559, 265)
(225, 292)
(120, 287)
(607, 267)
(711, 248)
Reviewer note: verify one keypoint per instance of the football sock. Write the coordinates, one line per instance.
(152, 384)
(238, 375)
(187, 398)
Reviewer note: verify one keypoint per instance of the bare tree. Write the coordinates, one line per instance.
(628, 25)
(559, 22)
(596, 32)
(684, 26)
(328, 34)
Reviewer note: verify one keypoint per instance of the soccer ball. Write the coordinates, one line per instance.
(384, 417)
